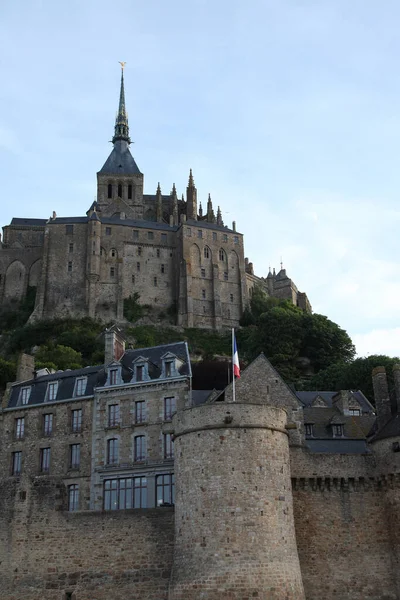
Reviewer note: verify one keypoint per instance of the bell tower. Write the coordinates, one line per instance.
(119, 181)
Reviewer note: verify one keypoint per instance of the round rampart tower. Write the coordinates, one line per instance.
(234, 526)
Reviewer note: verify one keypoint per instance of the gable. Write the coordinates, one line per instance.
(319, 402)
(117, 205)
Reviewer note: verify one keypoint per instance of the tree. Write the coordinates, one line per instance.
(60, 356)
(8, 370)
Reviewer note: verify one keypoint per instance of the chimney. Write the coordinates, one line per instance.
(114, 345)
(342, 401)
(381, 395)
(234, 225)
(396, 377)
(25, 367)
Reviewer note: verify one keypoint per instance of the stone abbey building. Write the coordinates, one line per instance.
(121, 481)
(174, 253)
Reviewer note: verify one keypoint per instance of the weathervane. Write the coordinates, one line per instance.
(122, 64)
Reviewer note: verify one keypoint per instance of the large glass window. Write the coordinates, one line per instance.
(140, 415)
(16, 463)
(19, 428)
(76, 420)
(113, 415)
(168, 445)
(45, 460)
(112, 451)
(75, 456)
(73, 497)
(165, 489)
(169, 408)
(140, 448)
(120, 494)
(47, 424)
(113, 376)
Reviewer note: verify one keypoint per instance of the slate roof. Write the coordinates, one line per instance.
(338, 446)
(322, 420)
(206, 225)
(120, 161)
(28, 222)
(390, 429)
(97, 375)
(307, 398)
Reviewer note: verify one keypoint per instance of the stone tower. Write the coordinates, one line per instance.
(234, 526)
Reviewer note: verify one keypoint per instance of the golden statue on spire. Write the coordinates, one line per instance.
(122, 64)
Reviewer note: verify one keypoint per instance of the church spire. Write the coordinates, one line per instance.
(121, 121)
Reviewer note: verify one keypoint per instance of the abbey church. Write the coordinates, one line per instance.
(176, 255)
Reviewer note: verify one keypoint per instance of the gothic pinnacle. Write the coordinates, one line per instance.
(191, 180)
(121, 122)
(158, 189)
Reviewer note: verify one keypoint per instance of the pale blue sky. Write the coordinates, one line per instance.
(287, 111)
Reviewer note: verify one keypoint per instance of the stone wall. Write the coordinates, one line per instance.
(47, 553)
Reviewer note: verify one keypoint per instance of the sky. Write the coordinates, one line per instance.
(288, 112)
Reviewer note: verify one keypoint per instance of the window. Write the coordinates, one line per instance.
(235, 239)
(47, 424)
(133, 278)
(135, 234)
(45, 460)
(112, 271)
(108, 230)
(188, 232)
(231, 297)
(150, 235)
(80, 386)
(203, 272)
(308, 429)
(199, 233)
(158, 252)
(168, 446)
(113, 376)
(109, 191)
(73, 497)
(168, 368)
(70, 266)
(112, 451)
(113, 415)
(162, 268)
(203, 294)
(206, 252)
(169, 408)
(24, 395)
(16, 463)
(222, 255)
(165, 489)
(155, 281)
(163, 238)
(337, 430)
(76, 420)
(130, 191)
(140, 416)
(119, 190)
(226, 275)
(215, 237)
(139, 448)
(52, 390)
(139, 251)
(121, 494)
(19, 428)
(354, 412)
(224, 238)
(113, 253)
(139, 373)
(70, 248)
(74, 456)
(138, 267)
(69, 229)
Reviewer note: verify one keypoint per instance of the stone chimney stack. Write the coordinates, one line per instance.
(25, 367)
(381, 395)
(396, 377)
(342, 401)
(114, 345)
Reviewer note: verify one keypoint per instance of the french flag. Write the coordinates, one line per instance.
(236, 366)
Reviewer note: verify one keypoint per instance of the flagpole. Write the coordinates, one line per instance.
(233, 368)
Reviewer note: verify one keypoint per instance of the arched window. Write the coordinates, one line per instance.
(109, 190)
(120, 190)
(130, 191)
(112, 451)
(222, 255)
(113, 253)
(206, 252)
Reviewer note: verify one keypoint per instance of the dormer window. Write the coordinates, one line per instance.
(139, 372)
(168, 368)
(337, 430)
(113, 376)
(52, 389)
(80, 386)
(354, 412)
(309, 429)
(24, 395)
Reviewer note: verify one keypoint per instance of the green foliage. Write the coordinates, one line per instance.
(60, 357)
(354, 375)
(133, 311)
(8, 371)
(18, 314)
